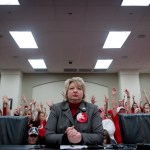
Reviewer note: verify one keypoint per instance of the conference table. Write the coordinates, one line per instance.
(66, 147)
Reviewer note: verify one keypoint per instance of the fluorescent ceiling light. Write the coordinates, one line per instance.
(116, 39)
(9, 2)
(135, 3)
(103, 64)
(37, 63)
(24, 39)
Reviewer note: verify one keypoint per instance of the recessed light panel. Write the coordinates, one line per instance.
(103, 64)
(24, 39)
(116, 39)
(9, 2)
(135, 3)
(37, 63)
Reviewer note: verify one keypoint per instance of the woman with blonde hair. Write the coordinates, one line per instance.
(74, 121)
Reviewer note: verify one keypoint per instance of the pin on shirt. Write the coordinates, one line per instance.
(84, 109)
(82, 117)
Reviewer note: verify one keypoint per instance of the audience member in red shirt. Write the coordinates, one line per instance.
(115, 119)
(41, 126)
(116, 111)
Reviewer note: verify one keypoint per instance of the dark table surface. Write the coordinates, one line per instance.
(43, 147)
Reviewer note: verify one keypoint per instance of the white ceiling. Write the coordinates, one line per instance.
(75, 30)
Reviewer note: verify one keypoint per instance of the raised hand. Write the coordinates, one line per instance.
(93, 100)
(20, 107)
(31, 101)
(38, 108)
(41, 105)
(49, 103)
(133, 97)
(5, 99)
(128, 93)
(106, 99)
(114, 91)
(24, 99)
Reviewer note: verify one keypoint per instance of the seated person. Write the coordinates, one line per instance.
(33, 136)
(74, 121)
(106, 139)
(108, 126)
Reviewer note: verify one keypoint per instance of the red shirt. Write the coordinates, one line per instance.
(41, 128)
(74, 108)
(4, 111)
(117, 133)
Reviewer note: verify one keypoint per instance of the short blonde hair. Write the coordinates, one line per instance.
(76, 80)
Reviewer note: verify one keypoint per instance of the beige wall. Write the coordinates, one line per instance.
(145, 84)
(32, 80)
(109, 80)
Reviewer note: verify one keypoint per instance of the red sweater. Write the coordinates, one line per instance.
(74, 108)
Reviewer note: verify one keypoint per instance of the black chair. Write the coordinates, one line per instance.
(135, 128)
(13, 130)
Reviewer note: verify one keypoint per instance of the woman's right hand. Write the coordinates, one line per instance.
(73, 135)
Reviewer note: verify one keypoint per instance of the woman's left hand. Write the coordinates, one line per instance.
(73, 135)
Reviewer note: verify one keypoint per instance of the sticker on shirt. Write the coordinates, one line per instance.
(40, 126)
(82, 117)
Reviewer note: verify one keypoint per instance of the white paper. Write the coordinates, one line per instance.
(73, 146)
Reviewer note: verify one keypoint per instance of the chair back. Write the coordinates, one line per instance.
(135, 128)
(13, 130)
